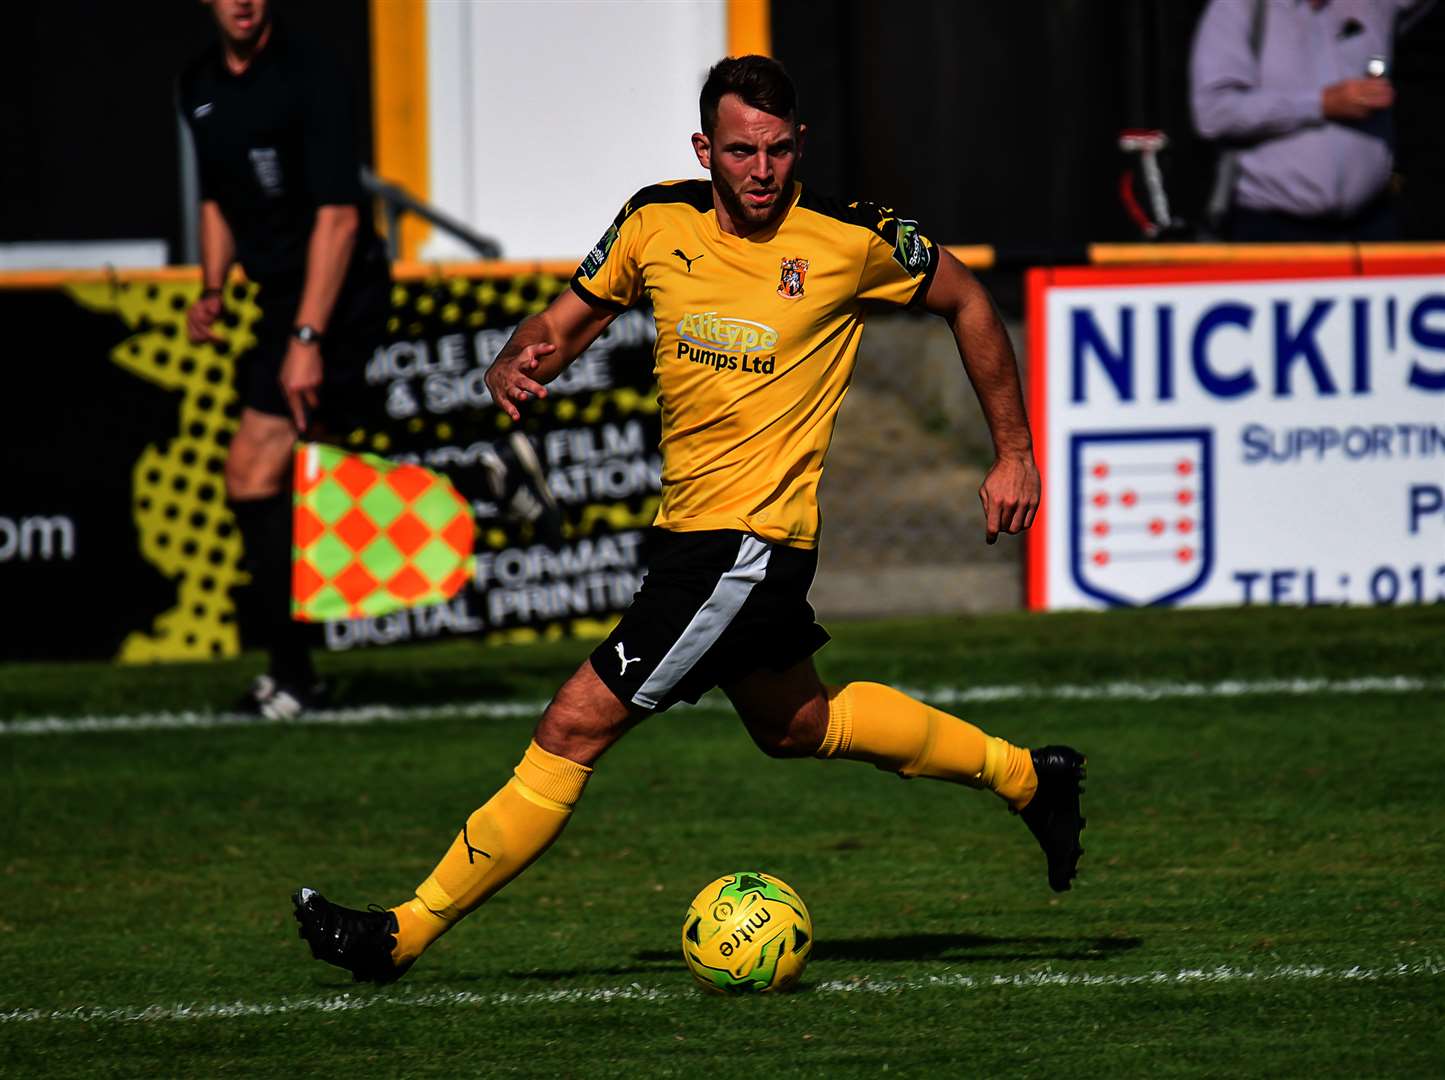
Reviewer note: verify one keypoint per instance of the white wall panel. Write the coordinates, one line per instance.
(546, 116)
(450, 133)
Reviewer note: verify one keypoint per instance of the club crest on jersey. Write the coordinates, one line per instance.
(790, 287)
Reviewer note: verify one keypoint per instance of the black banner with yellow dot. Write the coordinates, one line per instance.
(115, 538)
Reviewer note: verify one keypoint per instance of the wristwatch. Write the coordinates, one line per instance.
(306, 333)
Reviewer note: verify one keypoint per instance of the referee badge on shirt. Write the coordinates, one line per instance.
(267, 164)
(790, 287)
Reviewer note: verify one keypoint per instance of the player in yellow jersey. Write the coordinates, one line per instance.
(757, 286)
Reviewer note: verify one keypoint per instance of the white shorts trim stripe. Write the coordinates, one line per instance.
(707, 625)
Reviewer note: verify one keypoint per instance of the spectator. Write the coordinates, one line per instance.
(1299, 95)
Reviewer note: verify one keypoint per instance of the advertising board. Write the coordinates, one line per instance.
(1239, 435)
(116, 540)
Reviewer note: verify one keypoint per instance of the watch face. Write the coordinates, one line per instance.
(307, 334)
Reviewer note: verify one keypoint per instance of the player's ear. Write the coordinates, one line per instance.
(702, 147)
(802, 138)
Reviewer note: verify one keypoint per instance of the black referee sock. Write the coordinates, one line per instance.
(265, 526)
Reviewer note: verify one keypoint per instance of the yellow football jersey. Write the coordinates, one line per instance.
(756, 341)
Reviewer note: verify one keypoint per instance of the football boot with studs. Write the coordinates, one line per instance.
(359, 941)
(1053, 814)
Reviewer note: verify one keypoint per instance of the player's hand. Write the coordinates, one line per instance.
(301, 379)
(1010, 495)
(200, 317)
(1357, 99)
(510, 380)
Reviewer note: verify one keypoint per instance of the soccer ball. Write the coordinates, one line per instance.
(747, 933)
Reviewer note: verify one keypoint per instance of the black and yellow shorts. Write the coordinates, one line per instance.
(714, 607)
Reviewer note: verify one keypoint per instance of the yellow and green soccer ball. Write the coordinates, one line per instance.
(747, 933)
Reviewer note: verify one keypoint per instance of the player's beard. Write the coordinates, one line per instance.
(753, 217)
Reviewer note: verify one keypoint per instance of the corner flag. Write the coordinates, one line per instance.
(370, 537)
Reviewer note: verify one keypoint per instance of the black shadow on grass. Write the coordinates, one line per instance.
(911, 948)
(651, 962)
(903, 948)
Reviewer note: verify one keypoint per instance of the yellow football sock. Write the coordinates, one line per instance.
(875, 723)
(498, 842)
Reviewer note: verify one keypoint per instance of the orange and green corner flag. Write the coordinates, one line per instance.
(370, 537)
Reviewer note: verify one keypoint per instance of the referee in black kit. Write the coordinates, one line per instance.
(281, 194)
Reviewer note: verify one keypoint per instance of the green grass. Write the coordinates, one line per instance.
(1263, 833)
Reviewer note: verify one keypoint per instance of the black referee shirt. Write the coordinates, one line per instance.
(273, 144)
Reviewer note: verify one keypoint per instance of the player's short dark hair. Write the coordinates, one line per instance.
(760, 81)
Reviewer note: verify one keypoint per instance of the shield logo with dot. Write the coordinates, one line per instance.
(1141, 524)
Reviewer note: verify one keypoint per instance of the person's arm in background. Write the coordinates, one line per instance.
(218, 252)
(331, 163)
(217, 244)
(328, 255)
(1227, 97)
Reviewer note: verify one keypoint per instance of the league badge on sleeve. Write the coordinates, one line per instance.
(910, 249)
(598, 255)
(1141, 523)
(790, 287)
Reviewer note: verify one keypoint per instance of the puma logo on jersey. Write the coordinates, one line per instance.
(625, 658)
(684, 258)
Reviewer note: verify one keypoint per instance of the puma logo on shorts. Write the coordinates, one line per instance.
(715, 606)
(621, 655)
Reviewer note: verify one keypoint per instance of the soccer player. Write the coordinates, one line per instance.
(757, 285)
(281, 194)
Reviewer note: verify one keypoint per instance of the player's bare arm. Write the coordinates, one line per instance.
(1010, 491)
(328, 254)
(541, 348)
(218, 252)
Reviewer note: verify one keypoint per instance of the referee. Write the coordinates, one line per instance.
(273, 125)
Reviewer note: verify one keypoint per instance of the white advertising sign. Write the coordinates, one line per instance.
(1238, 436)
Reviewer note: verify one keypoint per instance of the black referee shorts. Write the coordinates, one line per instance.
(356, 329)
(714, 607)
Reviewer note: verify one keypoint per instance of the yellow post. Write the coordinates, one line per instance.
(399, 105)
(750, 29)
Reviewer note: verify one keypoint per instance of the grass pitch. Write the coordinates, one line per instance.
(1263, 891)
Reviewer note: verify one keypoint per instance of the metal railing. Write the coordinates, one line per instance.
(396, 201)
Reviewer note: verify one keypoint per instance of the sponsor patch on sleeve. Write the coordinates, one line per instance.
(598, 255)
(910, 249)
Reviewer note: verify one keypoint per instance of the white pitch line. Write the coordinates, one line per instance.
(1229, 688)
(940, 695)
(359, 715)
(1045, 978)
